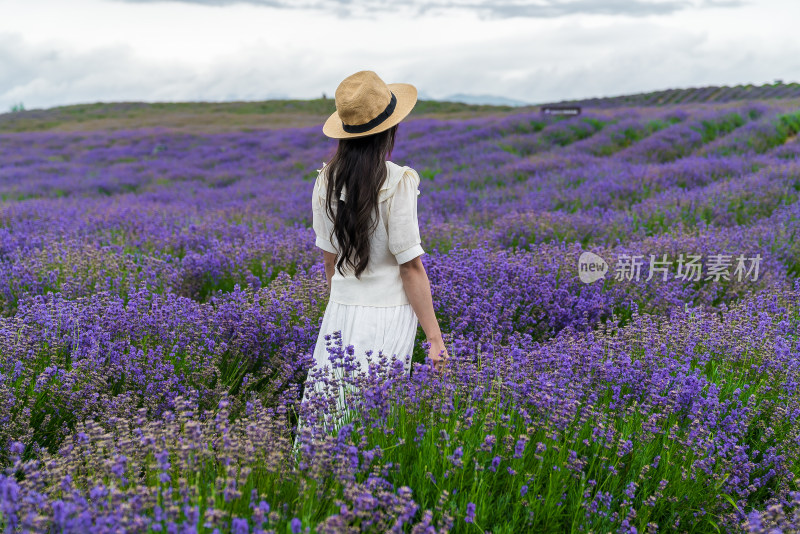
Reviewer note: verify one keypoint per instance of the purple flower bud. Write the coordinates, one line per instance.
(470, 516)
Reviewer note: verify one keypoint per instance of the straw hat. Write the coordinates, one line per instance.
(365, 105)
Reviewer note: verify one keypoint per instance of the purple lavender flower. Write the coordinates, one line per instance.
(495, 463)
(470, 515)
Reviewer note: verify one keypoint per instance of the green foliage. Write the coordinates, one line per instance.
(788, 124)
(630, 135)
(561, 135)
(508, 148)
(429, 174)
(711, 129)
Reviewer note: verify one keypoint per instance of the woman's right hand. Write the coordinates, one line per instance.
(418, 289)
(438, 354)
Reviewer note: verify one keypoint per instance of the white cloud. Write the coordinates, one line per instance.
(54, 53)
(483, 8)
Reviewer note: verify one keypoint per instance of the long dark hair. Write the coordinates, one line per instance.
(360, 164)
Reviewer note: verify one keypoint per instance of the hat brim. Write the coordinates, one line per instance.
(406, 95)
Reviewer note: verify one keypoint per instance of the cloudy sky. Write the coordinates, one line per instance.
(55, 52)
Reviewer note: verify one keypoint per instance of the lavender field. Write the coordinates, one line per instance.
(161, 294)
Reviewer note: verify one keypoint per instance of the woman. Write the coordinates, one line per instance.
(370, 238)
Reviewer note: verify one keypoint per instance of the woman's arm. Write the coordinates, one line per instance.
(418, 289)
(330, 264)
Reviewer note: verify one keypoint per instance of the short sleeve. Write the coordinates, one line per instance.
(322, 223)
(404, 239)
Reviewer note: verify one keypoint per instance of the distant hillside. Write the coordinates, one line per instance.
(212, 117)
(492, 100)
(693, 95)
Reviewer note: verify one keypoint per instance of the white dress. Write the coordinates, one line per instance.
(388, 329)
(373, 313)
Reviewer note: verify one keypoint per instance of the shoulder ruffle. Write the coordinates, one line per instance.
(394, 176)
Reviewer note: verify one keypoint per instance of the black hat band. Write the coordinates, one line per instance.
(361, 128)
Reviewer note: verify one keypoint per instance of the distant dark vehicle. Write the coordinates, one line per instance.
(561, 110)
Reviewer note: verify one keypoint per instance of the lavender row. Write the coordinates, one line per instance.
(664, 424)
